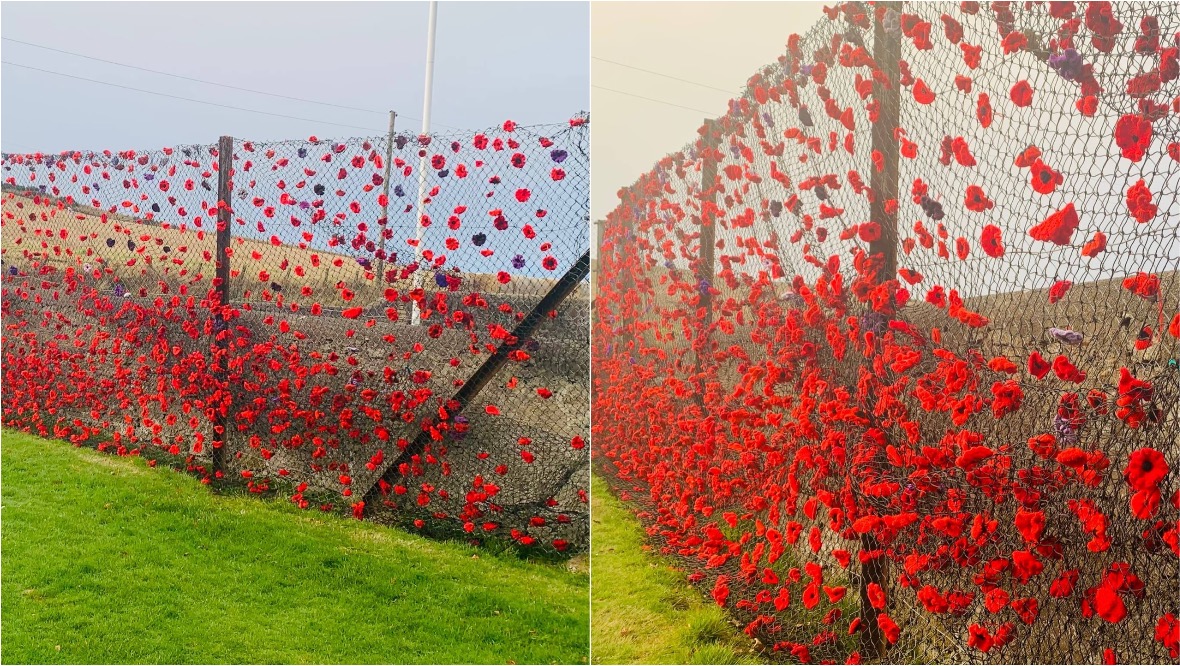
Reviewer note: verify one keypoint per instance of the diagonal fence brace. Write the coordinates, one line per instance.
(471, 388)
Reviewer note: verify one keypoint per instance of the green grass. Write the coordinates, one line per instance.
(108, 561)
(644, 611)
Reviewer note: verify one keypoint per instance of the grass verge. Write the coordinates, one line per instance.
(644, 611)
(108, 561)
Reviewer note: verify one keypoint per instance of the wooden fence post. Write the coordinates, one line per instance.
(706, 267)
(884, 184)
(225, 160)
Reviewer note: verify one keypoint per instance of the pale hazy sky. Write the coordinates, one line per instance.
(528, 61)
(718, 44)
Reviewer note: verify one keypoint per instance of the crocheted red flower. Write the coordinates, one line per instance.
(1132, 134)
(1145, 469)
(1058, 227)
(1139, 202)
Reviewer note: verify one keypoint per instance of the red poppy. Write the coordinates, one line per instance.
(1021, 94)
(1167, 633)
(888, 627)
(1132, 134)
(1043, 178)
(1026, 609)
(1063, 585)
(1025, 565)
(1038, 366)
(1066, 371)
(1057, 228)
(979, 638)
(972, 55)
(1143, 285)
(1139, 202)
(1058, 290)
(1145, 469)
(1145, 503)
(983, 110)
(1031, 524)
(1095, 245)
(1109, 605)
(922, 93)
(992, 242)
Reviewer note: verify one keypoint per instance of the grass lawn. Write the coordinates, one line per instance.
(644, 611)
(106, 560)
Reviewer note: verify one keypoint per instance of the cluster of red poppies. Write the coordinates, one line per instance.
(318, 351)
(971, 475)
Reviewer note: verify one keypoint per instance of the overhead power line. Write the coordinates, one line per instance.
(666, 76)
(215, 83)
(190, 78)
(189, 99)
(657, 101)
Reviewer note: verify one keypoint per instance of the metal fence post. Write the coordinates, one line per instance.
(706, 267)
(225, 159)
(884, 184)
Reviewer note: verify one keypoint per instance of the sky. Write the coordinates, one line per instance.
(717, 45)
(525, 61)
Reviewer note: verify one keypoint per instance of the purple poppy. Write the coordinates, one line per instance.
(518, 262)
(932, 208)
(558, 155)
(1068, 64)
(1066, 336)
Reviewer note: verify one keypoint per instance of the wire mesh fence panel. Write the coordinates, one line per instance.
(365, 281)
(887, 356)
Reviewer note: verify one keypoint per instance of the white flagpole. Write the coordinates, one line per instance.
(426, 99)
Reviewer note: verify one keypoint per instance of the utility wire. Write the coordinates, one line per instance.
(213, 83)
(666, 76)
(189, 99)
(190, 78)
(657, 101)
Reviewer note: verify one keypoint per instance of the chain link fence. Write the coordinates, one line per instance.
(308, 316)
(887, 356)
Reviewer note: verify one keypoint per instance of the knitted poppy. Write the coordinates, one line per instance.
(1145, 469)
(1043, 178)
(1058, 228)
(1132, 134)
(991, 241)
(1021, 93)
(1139, 202)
